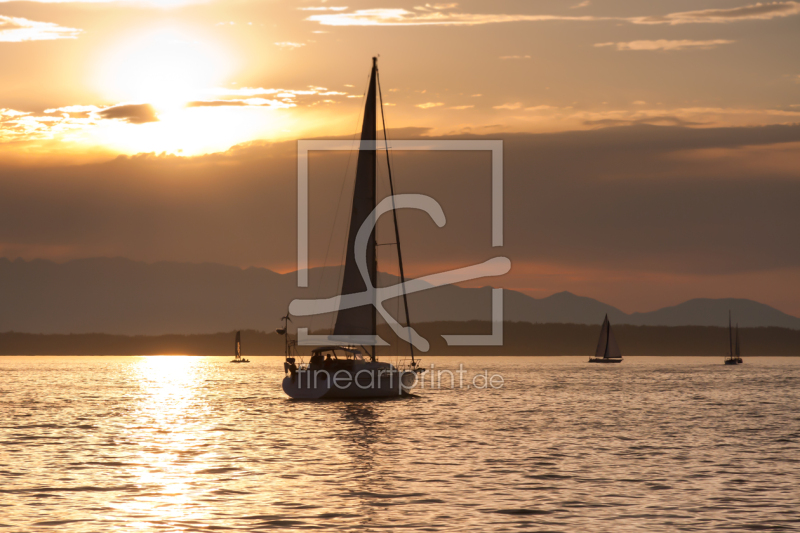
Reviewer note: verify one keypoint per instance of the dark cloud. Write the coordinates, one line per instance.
(132, 113)
(649, 198)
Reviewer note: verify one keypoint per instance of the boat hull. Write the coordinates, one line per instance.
(318, 384)
(733, 361)
(604, 360)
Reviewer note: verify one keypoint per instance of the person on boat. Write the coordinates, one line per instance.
(328, 361)
(317, 359)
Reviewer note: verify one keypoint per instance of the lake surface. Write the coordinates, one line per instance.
(197, 444)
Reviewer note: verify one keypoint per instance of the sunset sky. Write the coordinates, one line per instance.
(652, 149)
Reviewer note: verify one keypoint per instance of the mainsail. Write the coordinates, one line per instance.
(238, 348)
(607, 347)
(362, 320)
(738, 354)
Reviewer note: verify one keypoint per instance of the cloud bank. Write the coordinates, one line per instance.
(403, 17)
(17, 30)
(445, 16)
(757, 11)
(258, 102)
(660, 201)
(663, 44)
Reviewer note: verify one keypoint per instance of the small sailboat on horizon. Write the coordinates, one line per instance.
(734, 357)
(237, 353)
(607, 348)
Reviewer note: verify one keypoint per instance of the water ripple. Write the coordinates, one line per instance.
(191, 444)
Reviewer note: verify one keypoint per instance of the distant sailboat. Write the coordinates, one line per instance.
(607, 347)
(237, 357)
(734, 358)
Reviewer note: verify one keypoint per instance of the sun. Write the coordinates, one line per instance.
(168, 67)
(165, 67)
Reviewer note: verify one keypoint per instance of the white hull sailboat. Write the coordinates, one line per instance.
(607, 348)
(346, 374)
(354, 371)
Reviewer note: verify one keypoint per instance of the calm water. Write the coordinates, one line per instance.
(197, 444)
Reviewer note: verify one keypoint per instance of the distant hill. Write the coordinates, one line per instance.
(707, 312)
(120, 296)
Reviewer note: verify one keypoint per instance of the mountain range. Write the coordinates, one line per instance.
(122, 296)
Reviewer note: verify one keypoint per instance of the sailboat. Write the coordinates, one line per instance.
(607, 348)
(237, 353)
(734, 358)
(354, 371)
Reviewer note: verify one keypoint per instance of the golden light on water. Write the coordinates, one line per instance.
(177, 443)
(168, 423)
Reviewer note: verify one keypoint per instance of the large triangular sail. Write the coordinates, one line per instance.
(607, 347)
(612, 348)
(238, 348)
(362, 320)
(738, 352)
(602, 342)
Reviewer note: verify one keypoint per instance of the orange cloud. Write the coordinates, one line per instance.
(443, 16)
(663, 44)
(757, 11)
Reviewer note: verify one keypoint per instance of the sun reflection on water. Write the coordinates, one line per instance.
(169, 426)
(197, 444)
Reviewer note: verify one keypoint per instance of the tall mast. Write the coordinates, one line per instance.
(730, 333)
(286, 321)
(373, 82)
(396, 227)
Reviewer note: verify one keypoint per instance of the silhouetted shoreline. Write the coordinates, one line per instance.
(519, 338)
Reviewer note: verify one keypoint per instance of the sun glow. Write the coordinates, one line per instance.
(165, 67)
(194, 131)
(174, 79)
